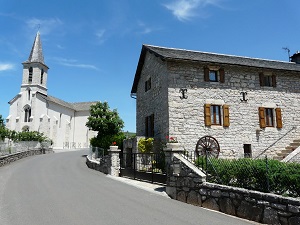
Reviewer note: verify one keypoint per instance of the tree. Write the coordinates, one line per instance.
(107, 122)
(2, 121)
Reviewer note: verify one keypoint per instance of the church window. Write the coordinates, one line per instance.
(42, 76)
(28, 94)
(30, 75)
(60, 120)
(27, 111)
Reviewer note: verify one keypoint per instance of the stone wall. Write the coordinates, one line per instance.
(4, 160)
(184, 118)
(186, 184)
(108, 164)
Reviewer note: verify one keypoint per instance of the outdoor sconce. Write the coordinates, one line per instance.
(183, 91)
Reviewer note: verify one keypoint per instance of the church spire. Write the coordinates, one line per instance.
(36, 54)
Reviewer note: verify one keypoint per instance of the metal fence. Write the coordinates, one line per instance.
(265, 175)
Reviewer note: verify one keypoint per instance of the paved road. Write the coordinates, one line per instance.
(59, 189)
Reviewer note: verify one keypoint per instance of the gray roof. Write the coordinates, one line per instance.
(36, 54)
(187, 55)
(77, 106)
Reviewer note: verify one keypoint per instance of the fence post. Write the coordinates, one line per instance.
(114, 167)
(267, 174)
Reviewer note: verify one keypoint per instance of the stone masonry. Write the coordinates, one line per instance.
(187, 184)
(171, 70)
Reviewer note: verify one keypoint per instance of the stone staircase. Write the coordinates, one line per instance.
(290, 148)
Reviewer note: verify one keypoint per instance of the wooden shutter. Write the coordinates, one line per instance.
(206, 74)
(261, 79)
(222, 75)
(273, 80)
(226, 122)
(262, 120)
(207, 117)
(278, 118)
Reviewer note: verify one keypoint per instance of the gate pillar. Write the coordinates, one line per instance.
(114, 167)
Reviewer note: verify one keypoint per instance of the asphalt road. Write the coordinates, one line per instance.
(59, 189)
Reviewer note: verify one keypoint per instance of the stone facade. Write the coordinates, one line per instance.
(183, 115)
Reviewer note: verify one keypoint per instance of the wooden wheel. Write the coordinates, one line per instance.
(209, 146)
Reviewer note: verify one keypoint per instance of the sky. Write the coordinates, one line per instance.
(92, 47)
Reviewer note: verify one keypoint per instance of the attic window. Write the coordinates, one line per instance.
(267, 80)
(214, 74)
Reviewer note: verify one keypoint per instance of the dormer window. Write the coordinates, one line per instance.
(30, 70)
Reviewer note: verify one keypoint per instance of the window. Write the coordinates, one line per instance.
(266, 117)
(148, 85)
(42, 76)
(247, 151)
(149, 126)
(60, 120)
(269, 117)
(267, 80)
(27, 111)
(30, 75)
(216, 115)
(28, 94)
(214, 74)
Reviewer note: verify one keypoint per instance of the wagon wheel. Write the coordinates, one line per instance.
(209, 146)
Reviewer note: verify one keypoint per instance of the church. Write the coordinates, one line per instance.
(34, 110)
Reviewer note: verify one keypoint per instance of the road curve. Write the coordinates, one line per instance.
(59, 189)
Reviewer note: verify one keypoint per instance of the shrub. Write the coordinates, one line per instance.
(145, 145)
(261, 174)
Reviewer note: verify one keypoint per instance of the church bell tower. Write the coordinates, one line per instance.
(35, 71)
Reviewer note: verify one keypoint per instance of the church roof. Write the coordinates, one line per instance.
(36, 54)
(77, 106)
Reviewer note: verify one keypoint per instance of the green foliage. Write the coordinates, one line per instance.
(2, 121)
(261, 175)
(107, 122)
(30, 136)
(106, 141)
(145, 145)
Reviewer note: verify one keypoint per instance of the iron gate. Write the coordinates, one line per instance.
(144, 166)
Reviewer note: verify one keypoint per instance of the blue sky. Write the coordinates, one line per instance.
(92, 47)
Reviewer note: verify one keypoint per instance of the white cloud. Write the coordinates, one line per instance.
(6, 66)
(145, 29)
(185, 9)
(100, 35)
(44, 26)
(74, 63)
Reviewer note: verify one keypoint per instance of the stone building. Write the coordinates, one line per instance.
(249, 105)
(34, 110)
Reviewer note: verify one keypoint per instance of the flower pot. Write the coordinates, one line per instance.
(173, 146)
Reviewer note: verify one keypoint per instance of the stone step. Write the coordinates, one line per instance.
(295, 144)
(278, 158)
(282, 154)
(287, 151)
(296, 140)
(290, 148)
